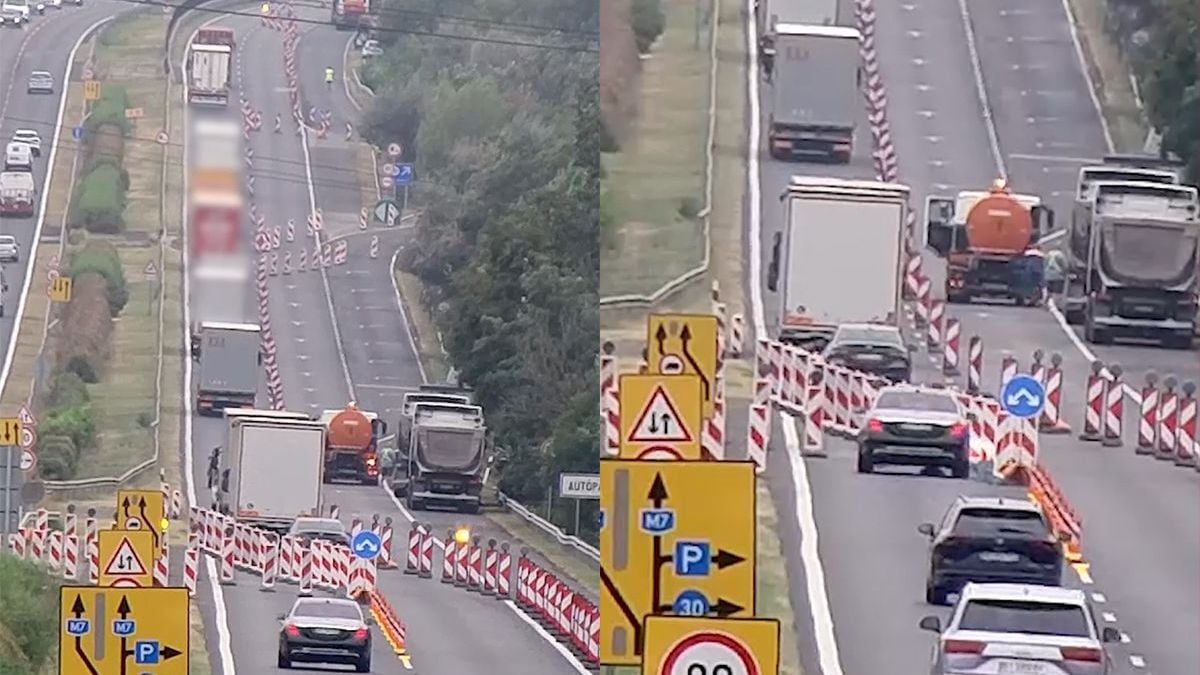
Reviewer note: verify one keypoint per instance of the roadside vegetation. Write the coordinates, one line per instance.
(504, 139)
(29, 622)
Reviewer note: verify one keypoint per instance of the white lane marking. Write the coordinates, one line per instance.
(537, 628)
(1109, 617)
(924, 87)
(814, 574)
(1099, 597)
(1137, 661)
(981, 90)
(1055, 158)
(1125, 639)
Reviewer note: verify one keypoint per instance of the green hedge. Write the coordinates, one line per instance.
(648, 21)
(109, 109)
(106, 145)
(101, 257)
(87, 327)
(69, 427)
(100, 204)
(29, 623)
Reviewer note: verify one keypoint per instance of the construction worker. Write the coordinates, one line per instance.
(329, 76)
(766, 50)
(1056, 271)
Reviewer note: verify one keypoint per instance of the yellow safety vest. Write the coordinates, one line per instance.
(329, 74)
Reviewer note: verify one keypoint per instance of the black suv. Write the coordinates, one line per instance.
(991, 540)
(873, 348)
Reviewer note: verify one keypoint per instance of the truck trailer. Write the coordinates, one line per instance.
(816, 96)
(17, 194)
(446, 456)
(271, 469)
(210, 67)
(352, 444)
(229, 357)
(839, 258)
(350, 14)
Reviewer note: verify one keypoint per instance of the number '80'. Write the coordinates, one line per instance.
(701, 669)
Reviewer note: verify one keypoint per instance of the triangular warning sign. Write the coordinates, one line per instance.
(660, 421)
(125, 561)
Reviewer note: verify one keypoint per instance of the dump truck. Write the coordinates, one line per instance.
(428, 393)
(1133, 264)
(983, 235)
(270, 470)
(809, 121)
(210, 67)
(445, 459)
(352, 444)
(18, 195)
(1116, 168)
(229, 356)
(350, 14)
(837, 230)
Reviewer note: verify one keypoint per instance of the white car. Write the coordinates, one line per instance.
(10, 251)
(14, 7)
(31, 138)
(1021, 628)
(40, 82)
(371, 48)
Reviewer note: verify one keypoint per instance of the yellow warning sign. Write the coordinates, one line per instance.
(684, 343)
(141, 510)
(126, 558)
(59, 289)
(675, 537)
(687, 644)
(10, 431)
(660, 416)
(91, 90)
(123, 630)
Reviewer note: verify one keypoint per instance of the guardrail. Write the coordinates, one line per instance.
(554, 531)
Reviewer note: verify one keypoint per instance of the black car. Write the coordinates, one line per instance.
(913, 426)
(326, 529)
(325, 630)
(991, 540)
(877, 349)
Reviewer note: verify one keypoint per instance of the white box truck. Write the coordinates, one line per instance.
(271, 469)
(839, 257)
(210, 66)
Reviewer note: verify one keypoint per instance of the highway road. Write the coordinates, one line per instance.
(45, 44)
(1139, 537)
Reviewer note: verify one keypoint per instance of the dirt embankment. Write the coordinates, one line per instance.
(619, 68)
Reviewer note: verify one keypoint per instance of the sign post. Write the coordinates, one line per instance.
(578, 486)
(14, 479)
(151, 275)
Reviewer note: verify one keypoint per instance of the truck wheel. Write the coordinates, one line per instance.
(1074, 317)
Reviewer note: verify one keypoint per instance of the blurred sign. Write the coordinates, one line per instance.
(91, 90)
(60, 289)
(135, 113)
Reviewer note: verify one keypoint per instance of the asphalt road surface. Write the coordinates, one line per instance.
(44, 44)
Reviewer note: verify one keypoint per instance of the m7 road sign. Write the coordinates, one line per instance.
(106, 631)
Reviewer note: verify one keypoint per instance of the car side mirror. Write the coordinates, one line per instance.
(931, 624)
(1110, 634)
(926, 529)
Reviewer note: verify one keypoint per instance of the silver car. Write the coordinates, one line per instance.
(1020, 628)
(10, 251)
(31, 138)
(40, 82)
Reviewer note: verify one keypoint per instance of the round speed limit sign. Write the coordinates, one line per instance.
(709, 654)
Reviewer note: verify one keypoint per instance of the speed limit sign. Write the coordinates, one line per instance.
(709, 654)
(705, 645)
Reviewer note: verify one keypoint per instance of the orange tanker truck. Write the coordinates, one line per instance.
(352, 444)
(985, 237)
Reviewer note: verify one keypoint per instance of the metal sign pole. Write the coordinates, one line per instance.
(5, 528)
(576, 531)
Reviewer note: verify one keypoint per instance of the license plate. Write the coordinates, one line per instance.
(992, 556)
(915, 427)
(870, 357)
(1145, 308)
(327, 631)
(1022, 667)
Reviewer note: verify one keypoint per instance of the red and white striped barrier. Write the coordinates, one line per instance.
(162, 567)
(737, 335)
(1168, 419)
(950, 347)
(1093, 412)
(610, 404)
(474, 565)
(1114, 409)
(937, 317)
(1185, 450)
(1052, 421)
(191, 567)
(975, 365)
(448, 559)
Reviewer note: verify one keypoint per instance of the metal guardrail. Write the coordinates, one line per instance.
(554, 531)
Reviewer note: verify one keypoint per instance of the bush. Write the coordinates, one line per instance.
(100, 202)
(106, 145)
(29, 625)
(58, 458)
(648, 21)
(86, 328)
(102, 258)
(67, 390)
(109, 110)
(75, 424)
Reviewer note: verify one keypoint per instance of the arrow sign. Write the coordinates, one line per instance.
(366, 544)
(404, 174)
(1023, 396)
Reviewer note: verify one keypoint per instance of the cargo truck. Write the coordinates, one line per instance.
(446, 456)
(839, 258)
(270, 469)
(17, 194)
(769, 13)
(352, 444)
(229, 356)
(1133, 264)
(209, 67)
(350, 14)
(816, 96)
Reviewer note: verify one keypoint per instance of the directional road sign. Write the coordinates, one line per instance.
(684, 343)
(655, 511)
(91, 90)
(141, 510)
(10, 431)
(28, 459)
(394, 150)
(691, 646)
(661, 416)
(116, 630)
(126, 558)
(404, 174)
(386, 211)
(1023, 396)
(59, 289)
(77, 133)
(26, 417)
(366, 544)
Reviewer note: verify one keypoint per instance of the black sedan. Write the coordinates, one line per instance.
(913, 426)
(325, 630)
(877, 349)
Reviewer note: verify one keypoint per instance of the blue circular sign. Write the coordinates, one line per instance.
(366, 545)
(1023, 396)
(690, 603)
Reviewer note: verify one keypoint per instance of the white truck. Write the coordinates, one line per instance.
(816, 95)
(271, 468)
(210, 67)
(229, 356)
(839, 257)
(17, 194)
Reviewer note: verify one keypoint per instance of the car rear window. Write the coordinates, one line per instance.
(916, 400)
(328, 610)
(986, 522)
(1025, 616)
(869, 336)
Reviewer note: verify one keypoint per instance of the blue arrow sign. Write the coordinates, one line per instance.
(404, 174)
(366, 544)
(77, 133)
(1023, 396)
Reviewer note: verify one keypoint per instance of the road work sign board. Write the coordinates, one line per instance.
(126, 558)
(142, 510)
(688, 646)
(10, 431)
(675, 538)
(107, 631)
(684, 343)
(660, 416)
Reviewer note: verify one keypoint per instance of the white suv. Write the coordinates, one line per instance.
(31, 138)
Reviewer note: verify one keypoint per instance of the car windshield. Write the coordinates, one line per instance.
(916, 400)
(988, 522)
(1025, 616)
(868, 335)
(327, 610)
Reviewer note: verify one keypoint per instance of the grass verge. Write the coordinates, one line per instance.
(1111, 76)
(656, 181)
(574, 564)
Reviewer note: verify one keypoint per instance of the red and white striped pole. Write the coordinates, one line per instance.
(924, 301)
(503, 570)
(1093, 412)
(412, 558)
(191, 564)
(176, 504)
(1185, 451)
(950, 348)
(425, 568)
(1008, 369)
(737, 336)
(610, 406)
(228, 551)
(974, 365)
(269, 553)
(1052, 421)
(1148, 416)
(54, 550)
(306, 570)
(448, 565)
(461, 555)
(490, 562)
(385, 546)
(162, 566)
(71, 545)
(475, 571)
(91, 545)
(937, 317)
(38, 547)
(816, 406)
(759, 431)
(1114, 409)
(1168, 419)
